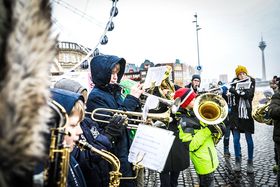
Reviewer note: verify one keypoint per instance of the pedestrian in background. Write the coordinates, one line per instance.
(274, 113)
(225, 95)
(240, 117)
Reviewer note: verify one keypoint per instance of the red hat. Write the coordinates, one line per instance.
(186, 95)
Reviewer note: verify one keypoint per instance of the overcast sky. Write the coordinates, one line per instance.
(162, 31)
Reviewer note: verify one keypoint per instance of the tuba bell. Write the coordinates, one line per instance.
(210, 108)
(260, 113)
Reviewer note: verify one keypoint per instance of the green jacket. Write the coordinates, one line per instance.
(202, 149)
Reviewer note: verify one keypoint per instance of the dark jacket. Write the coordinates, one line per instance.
(178, 158)
(246, 97)
(75, 175)
(105, 95)
(274, 113)
(93, 166)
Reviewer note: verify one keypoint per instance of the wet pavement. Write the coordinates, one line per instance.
(224, 175)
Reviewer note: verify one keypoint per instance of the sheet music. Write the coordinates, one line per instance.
(154, 144)
(154, 75)
(243, 85)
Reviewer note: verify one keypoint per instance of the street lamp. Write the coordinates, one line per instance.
(197, 28)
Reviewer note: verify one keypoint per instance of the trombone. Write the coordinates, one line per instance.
(109, 113)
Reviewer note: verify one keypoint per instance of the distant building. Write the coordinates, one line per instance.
(70, 54)
(146, 64)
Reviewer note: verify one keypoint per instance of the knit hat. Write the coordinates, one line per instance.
(195, 76)
(186, 95)
(240, 69)
(68, 84)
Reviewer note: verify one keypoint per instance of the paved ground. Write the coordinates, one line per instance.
(224, 176)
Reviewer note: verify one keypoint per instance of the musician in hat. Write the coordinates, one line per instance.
(241, 120)
(195, 83)
(198, 136)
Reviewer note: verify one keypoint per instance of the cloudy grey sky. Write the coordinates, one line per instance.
(162, 31)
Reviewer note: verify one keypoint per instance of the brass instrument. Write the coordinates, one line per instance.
(260, 113)
(56, 171)
(109, 113)
(115, 174)
(210, 108)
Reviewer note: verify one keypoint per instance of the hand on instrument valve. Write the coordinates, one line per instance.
(116, 128)
(136, 90)
(217, 131)
(219, 128)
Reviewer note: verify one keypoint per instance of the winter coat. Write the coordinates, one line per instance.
(105, 95)
(202, 149)
(240, 103)
(75, 176)
(178, 158)
(93, 166)
(274, 113)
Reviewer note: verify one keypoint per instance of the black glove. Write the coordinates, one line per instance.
(217, 128)
(115, 128)
(232, 90)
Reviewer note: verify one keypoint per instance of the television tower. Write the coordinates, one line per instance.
(262, 46)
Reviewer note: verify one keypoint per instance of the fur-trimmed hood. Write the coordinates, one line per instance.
(26, 52)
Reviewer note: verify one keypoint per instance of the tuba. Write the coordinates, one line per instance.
(115, 174)
(56, 170)
(210, 108)
(260, 113)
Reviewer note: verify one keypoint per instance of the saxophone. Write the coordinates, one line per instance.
(115, 174)
(56, 171)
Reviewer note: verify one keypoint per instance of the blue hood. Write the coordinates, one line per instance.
(66, 98)
(101, 69)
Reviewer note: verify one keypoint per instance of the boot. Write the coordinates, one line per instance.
(226, 152)
(237, 167)
(250, 168)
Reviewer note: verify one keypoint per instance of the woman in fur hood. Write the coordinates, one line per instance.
(26, 50)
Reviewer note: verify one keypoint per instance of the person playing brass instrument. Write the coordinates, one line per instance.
(199, 137)
(241, 119)
(106, 73)
(195, 83)
(73, 104)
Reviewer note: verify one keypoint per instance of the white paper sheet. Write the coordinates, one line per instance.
(154, 144)
(154, 75)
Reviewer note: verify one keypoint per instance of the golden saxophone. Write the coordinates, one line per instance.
(56, 170)
(115, 174)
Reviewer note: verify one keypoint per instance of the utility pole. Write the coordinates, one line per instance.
(197, 28)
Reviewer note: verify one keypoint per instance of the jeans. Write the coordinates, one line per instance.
(169, 179)
(226, 139)
(206, 180)
(277, 145)
(236, 142)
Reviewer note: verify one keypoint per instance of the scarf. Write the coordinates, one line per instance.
(242, 108)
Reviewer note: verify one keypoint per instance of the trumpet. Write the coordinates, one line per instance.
(109, 113)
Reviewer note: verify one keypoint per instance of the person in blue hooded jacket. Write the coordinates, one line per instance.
(72, 108)
(106, 73)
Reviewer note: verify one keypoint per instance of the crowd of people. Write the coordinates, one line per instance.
(42, 124)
